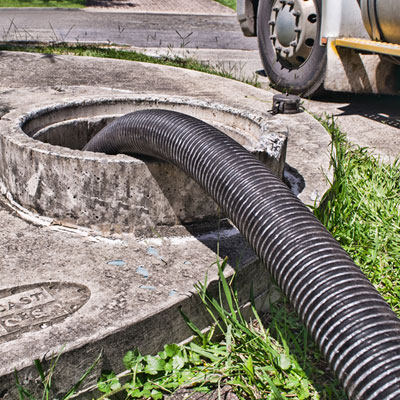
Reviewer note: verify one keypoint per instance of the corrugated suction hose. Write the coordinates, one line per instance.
(356, 331)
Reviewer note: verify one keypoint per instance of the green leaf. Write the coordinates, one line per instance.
(192, 326)
(156, 394)
(171, 350)
(136, 393)
(250, 368)
(226, 289)
(108, 382)
(203, 352)
(131, 358)
(186, 376)
(74, 388)
(304, 392)
(194, 358)
(22, 392)
(275, 390)
(146, 393)
(178, 362)
(169, 366)
(153, 365)
(39, 368)
(284, 362)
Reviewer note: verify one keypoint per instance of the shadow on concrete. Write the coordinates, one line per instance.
(4, 109)
(109, 4)
(384, 109)
(49, 57)
(214, 230)
(293, 179)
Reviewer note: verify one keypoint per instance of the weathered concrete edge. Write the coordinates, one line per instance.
(145, 334)
(269, 145)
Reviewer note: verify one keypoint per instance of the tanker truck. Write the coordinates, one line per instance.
(341, 45)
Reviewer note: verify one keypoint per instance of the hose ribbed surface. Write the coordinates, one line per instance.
(355, 329)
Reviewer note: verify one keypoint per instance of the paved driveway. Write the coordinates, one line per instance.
(122, 27)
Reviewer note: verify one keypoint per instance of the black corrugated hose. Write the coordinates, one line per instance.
(356, 331)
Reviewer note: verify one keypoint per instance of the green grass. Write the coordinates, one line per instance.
(116, 53)
(228, 3)
(43, 3)
(273, 363)
(362, 211)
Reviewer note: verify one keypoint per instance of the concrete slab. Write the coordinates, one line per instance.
(62, 291)
(68, 288)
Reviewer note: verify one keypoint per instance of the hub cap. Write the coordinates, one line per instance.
(293, 30)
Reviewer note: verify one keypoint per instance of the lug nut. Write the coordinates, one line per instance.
(293, 44)
(290, 3)
(273, 37)
(297, 30)
(286, 51)
(272, 22)
(283, 2)
(278, 49)
(296, 13)
(276, 9)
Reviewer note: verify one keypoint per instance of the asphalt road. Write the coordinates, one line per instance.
(134, 29)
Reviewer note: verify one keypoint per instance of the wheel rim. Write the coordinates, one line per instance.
(293, 30)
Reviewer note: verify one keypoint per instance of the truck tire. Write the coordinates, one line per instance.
(288, 38)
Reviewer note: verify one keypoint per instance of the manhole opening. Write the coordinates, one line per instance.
(120, 193)
(74, 125)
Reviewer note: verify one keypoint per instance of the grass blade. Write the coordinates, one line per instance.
(82, 378)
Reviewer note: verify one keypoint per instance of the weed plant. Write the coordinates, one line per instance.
(277, 362)
(46, 379)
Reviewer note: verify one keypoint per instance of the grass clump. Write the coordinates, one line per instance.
(362, 211)
(256, 362)
(43, 3)
(268, 359)
(46, 378)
